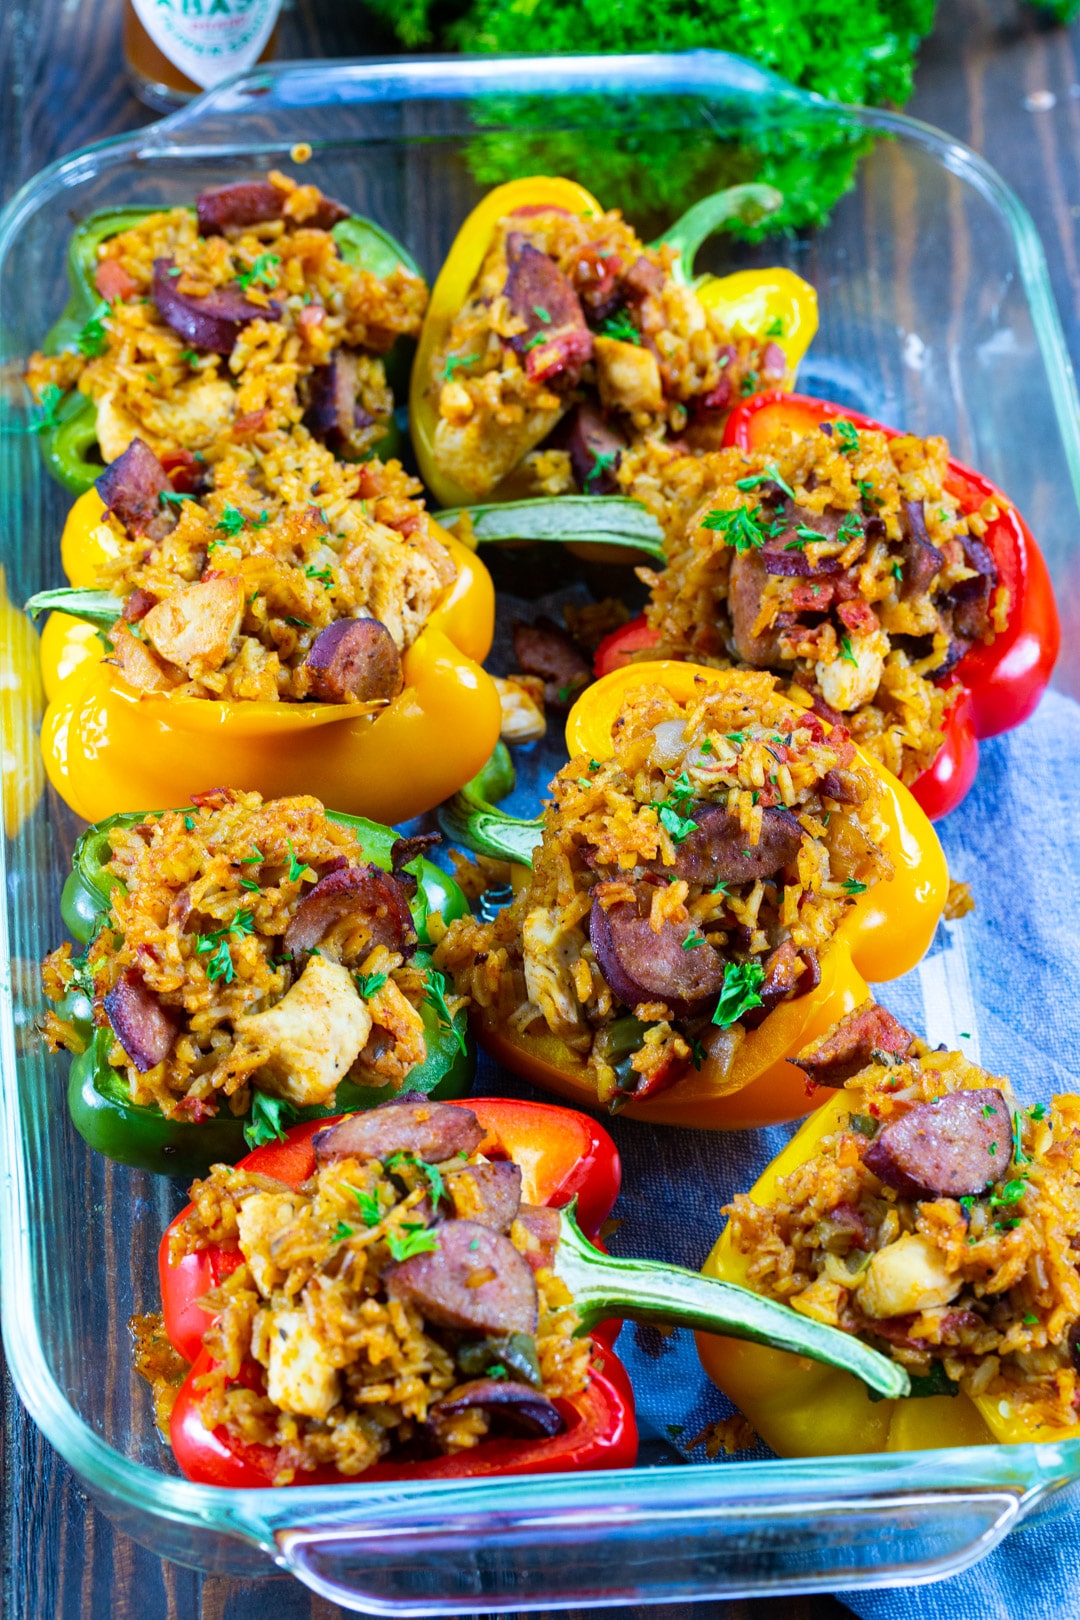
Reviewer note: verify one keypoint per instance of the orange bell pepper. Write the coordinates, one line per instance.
(886, 932)
(108, 749)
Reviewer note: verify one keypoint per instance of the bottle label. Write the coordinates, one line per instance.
(209, 39)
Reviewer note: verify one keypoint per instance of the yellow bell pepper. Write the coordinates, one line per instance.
(20, 700)
(803, 1409)
(770, 304)
(108, 749)
(886, 932)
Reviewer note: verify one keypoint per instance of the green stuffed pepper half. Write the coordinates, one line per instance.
(265, 307)
(246, 964)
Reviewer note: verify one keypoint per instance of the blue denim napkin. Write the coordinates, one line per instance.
(999, 985)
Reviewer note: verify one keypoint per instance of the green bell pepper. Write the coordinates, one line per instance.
(69, 445)
(141, 1136)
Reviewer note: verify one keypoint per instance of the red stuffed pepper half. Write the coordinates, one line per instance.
(900, 588)
(331, 1346)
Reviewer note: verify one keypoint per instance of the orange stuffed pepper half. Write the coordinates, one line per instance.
(716, 873)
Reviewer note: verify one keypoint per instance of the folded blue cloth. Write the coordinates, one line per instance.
(998, 985)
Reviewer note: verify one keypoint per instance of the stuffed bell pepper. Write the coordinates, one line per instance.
(558, 345)
(289, 622)
(241, 964)
(266, 306)
(400, 1296)
(902, 591)
(925, 1210)
(718, 873)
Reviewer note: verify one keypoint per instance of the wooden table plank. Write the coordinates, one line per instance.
(995, 75)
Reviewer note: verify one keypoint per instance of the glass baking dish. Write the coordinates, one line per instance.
(937, 315)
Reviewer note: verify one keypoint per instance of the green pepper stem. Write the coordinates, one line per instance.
(648, 1291)
(96, 607)
(747, 204)
(470, 819)
(602, 520)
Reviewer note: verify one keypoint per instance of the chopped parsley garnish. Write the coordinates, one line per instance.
(1037, 1112)
(190, 356)
(742, 528)
(897, 570)
(51, 395)
(263, 270)
(231, 521)
(594, 764)
(1019, 1156)
(324, 575)
(172, 498)
(454, 362)
(706, 747)
(620, 327)
(736, 737)
(742, 981)
(435, 996)
(93, 339)
(698, 1053)
(261, 521)
(679, 827)
(370, 1210)
(682, 791)
(720, 888)
(749, 383)
(369, 984)
(602, 461)
(806, 533)
(853, 886)
(297, 868)
(216, 946)
(189, 823)
(496, 1371)
(771, 475)
(536, 342)
(301, 624)
(251, 886)
(254, 858)
(341, 1232)
(846, 653)
(431, 1172)
(1011, 1193)
(775, 328)
(847, 437)
(411, 1238)
(1030, 1319)
(693, 940)
(541, 314)
(270, 1116)
(850, 529)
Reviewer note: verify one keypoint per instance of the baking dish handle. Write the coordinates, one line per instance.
(514, 1560)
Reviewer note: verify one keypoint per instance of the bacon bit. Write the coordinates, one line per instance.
(214, 798)
(773, 362)
(196, 1109)
(139, 604)
(477, 1279)
(112, 281)
(310, 317)
(246, 427)
(858, 616)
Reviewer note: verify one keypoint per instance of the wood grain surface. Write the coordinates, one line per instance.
(995, 74)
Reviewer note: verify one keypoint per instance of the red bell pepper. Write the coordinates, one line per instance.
(1003, 681)
(562, 1155)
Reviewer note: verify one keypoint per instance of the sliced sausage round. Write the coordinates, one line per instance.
(213, 320)
(718, 850)
(354, 658)
(487, 1193)
(922, 559)
(956, 1145)
(475, 1280)
(333, 412)
(543, 1226)
(595, 448)
(412, 1123)
(143, 1026)
(512, 1407)
(364, 892)
(243, 202)
(640, 964)
(132, 487)
(851, 1043)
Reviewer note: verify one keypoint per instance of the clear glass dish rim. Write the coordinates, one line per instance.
(1028, 1471)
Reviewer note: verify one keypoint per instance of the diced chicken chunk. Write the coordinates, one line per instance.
(312, 1036)
(481, 450)
(846, 685)
(522, 717)
(398, 1042)
(197, 627)
(906, 1276)
(550, 952)
(138, 666)
(300, 1378)
(197, 413)
(628, 375)
(259, 1219)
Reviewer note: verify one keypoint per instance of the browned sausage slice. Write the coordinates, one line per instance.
(543, 648)
(365, 892)
(851, 1043)
(956, 1145)
(922, 559)
(718, 850)
(412, 1123)
(642, 965)
(746, 582)
(213, 320)
(333, 412)
(475, 1280)
(511, 1406)
(541, 296)
(487, 1193)
(594, 448)
(244, 202)
(132, 487)
(354, 658)
(145, 1029)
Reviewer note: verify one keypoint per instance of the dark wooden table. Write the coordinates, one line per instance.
(997, 75)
